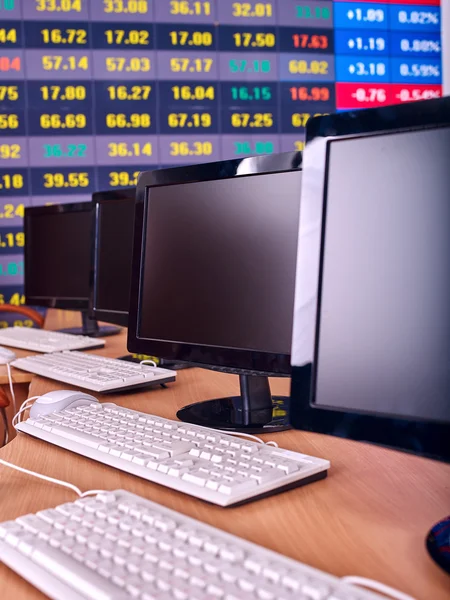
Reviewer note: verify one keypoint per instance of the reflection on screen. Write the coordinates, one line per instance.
(58, 255)
(219, 264)
(115, 248)
(384, 341)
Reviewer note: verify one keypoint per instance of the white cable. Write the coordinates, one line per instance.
(148, 361)
(11, 387)
(25, 406)
(246, 435)
(72, 487)
(377, 586)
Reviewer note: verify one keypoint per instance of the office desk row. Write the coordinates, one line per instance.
(368, 518)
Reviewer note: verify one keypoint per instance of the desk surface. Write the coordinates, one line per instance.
(368, 518)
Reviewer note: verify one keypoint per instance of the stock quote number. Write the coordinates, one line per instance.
(122, 121)
(254, 40)
(11, 268)
(134, 64)
(315, 94)
(195, 120)
(17, 323)
(247, 9)
(10, 151)
(58, 5)
(122, 149)
(69, 63)
(68, 151)
(198, 92)
(195, 38)
(188, 8)
(69, 180)
(66, 36)
(241, 148)
(12, 240)
(9, 121)
(9, 92)
(191, 148)
(8, 35)
(15, 299)
(249, 66)
(300, 119)
(251, 93)
(123, 178)
(313, 67)
(10, 211)
(57, 121)
(11, 182)
(135, 37)
(252, 120)
(191, 65)
(134, 7)
(69, 92)
(123, 92)
(305, 40)
(12, 63)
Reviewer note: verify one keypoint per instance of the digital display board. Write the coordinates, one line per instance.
(94, 91)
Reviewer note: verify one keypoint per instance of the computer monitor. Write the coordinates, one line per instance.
(58, 260)
(112, 255)
(371, 338)
(213, 278)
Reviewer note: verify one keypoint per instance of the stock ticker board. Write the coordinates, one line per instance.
(94, 91)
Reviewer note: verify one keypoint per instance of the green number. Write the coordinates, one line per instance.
(242, 148)
(256, 93)
(56, 151)
(7, 4)
(264, 147)
(260, 148)
(306, 12)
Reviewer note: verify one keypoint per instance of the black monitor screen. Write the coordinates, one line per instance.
(114, 255)
(58, 255)
(384, 337)
(219, 262)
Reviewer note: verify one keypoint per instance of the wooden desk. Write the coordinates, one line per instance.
(368, 518)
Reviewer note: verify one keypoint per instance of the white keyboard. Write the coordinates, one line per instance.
(41, 340)
(117, 545)
(198, 461)
(94, 372)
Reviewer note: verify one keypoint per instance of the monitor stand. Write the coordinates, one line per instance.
(254, 411)
(91, 328)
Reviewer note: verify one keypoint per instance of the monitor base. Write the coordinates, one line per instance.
(224, 414)
(171, 365)
(437, 543)
(254, 411)
(91, 328)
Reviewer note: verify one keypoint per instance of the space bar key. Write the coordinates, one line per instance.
(76, 575)
(76, 436)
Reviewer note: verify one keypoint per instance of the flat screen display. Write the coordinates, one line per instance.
(384, 331)
(58, 255)
(115, 232)
(219, 262)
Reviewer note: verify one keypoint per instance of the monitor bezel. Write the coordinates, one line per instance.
(98, 199)
(419, 436)
(65, 303)
(222, 358)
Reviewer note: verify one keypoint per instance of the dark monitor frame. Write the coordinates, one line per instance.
(221, 358)
(98, 199)
(52, 301)
(426, 438)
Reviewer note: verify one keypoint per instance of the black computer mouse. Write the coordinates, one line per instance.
(438, 543)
